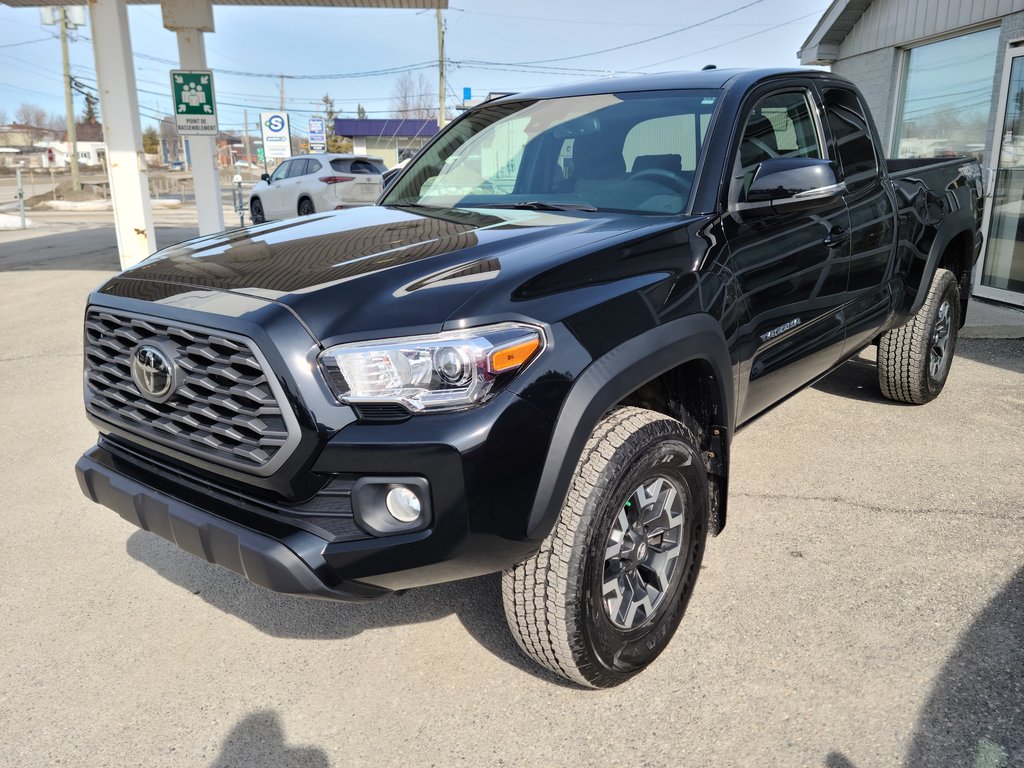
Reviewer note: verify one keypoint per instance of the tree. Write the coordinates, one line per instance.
(3, 117)
(34, 117)
(89, 116)
(413, 98)
(334, 143)
(360, 112)
(151, 141)
(56, 123)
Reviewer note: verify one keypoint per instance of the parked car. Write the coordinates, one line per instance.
(532, 355)
(309, 184)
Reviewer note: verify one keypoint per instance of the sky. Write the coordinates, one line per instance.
(489, 46)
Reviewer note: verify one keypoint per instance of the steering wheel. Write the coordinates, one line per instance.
(664, 177)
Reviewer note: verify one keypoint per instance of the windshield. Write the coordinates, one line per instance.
(630, 152)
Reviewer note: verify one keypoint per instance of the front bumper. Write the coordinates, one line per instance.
(260, 558)
(481, 484)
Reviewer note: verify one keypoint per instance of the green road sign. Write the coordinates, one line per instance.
(195, 111)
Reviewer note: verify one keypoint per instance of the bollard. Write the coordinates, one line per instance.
(238, 199)
(21, 198)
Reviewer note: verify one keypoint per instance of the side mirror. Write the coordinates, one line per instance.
(792, 184)
(265, 177)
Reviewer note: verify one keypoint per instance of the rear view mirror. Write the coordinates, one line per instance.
(789, 184)
(573, 129)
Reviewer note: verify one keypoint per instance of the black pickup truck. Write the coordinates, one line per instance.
(530, 356)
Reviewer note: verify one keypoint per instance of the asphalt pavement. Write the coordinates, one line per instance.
(863, 607)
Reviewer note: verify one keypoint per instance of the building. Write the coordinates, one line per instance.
(386, 139)
(944, 78)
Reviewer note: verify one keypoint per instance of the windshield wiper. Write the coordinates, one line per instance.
(540, 205)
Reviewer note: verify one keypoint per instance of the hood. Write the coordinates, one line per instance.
(366, 272)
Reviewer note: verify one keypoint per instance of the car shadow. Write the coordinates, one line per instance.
(475, 602)
(856, 379)
(974, 715)
(258, 739)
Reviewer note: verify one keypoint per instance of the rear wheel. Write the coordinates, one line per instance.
(604, 594)
(306, 207)
(256, 211)
(914, 360)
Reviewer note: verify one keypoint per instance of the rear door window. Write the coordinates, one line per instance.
(365, 166)
(341, 166)
(851, 138)
(312, 165)
(298, 168)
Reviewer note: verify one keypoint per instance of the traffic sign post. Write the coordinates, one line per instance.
(277, 143)
(195, 111)
(317, 135)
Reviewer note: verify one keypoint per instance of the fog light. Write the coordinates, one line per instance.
(403, 505)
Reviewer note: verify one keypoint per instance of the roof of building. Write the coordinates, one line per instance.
(384, 128)
(822, 45)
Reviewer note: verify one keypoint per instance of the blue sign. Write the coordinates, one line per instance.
(275, 123)
(467, 94)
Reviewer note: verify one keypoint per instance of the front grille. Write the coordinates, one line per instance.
(225, 408)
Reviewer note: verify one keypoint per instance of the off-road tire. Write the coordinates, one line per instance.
(554, 602)
(910, 366)
(256, 211)
(306, 207)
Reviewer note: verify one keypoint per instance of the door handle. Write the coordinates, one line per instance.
(836, 237)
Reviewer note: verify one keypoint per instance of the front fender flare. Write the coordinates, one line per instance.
(611, 378)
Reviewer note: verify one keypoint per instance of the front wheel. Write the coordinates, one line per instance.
(256, 212)
(604, 594)
(914, 359)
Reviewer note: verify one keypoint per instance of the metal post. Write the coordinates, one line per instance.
(69, 104)
(129, 187)
(440, 70)
(248, 154)
(21, 198)
(205, 173)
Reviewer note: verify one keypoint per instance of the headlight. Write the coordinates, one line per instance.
(446, 370)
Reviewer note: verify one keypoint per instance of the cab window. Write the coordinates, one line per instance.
(779, 125)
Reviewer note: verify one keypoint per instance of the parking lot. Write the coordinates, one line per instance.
(864, 606)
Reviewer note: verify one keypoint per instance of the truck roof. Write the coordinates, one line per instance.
(664, 81)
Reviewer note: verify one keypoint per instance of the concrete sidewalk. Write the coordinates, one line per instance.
(63, 246)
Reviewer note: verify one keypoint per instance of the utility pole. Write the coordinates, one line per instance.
(248, 155)
(69, 104)
(440, 70)
(281, 91)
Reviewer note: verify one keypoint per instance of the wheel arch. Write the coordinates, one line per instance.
(678, 366)
(953, 245)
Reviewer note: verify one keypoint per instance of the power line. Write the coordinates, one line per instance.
(635, 43)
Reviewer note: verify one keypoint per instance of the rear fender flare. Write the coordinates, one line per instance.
(611, 378)
(955, 224)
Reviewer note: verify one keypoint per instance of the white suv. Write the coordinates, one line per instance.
(309, 183)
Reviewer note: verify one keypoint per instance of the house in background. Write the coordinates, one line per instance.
(944, 78)
(387, 139)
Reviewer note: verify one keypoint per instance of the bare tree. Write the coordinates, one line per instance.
(33, 116)
(413, 98)
(3, 117)
(361, 112)
(56, 123)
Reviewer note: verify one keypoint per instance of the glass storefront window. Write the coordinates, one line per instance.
(947, 97)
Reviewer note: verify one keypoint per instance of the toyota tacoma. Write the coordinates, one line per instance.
(531, 355)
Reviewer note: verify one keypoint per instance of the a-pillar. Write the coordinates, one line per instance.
(190, 19)
(122, 133)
